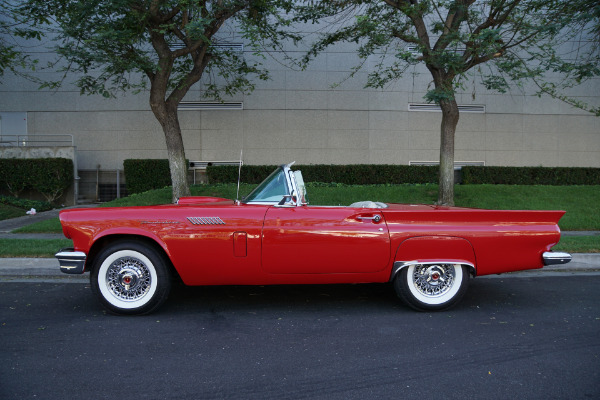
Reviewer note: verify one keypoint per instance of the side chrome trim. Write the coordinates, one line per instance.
(398, 265)
(71, 262)
(554, 258)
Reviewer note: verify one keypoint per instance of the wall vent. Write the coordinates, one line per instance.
(414, 49)
(237, 47)
(207, 105)
(429, 107)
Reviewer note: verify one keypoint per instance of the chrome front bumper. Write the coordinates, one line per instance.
(71, 262)
(554, 258)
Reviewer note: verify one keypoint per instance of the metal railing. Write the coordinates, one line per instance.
(100, 185)
(37, 140)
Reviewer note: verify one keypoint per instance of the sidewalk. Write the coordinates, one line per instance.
(32, 268)
(20, 268)
(8, 225)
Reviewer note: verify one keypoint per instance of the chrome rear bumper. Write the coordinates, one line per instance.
(553, 258)
(71, 262)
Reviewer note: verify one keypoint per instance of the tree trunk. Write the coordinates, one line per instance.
(177, 161)
(450, 117)
(169, 120)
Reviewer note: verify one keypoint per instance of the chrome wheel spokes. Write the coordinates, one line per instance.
(128, 279)
(433, 280)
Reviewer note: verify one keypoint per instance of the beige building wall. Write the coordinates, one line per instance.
(299, 116)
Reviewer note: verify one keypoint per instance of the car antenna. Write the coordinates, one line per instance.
(237, 195)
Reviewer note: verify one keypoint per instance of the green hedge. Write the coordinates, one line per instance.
(144, 175)
(48, 176)
(26, 204)
(557, 176)
(359, 174)
(369, 174)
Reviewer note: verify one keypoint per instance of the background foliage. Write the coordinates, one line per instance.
(143, 175)
(372, 174)
(25, 204)
(531, 175)
(50, 177)
(354, 174)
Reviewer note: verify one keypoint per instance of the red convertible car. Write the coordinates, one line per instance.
(273, 236)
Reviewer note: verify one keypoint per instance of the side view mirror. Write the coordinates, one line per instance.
(286, 198)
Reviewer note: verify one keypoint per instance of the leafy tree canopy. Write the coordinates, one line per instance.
(552, 42)
(14, 28)
(122, 45)
(164, 46)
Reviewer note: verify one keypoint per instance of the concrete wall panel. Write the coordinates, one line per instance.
(388, 120)
(306, 100)
(388, 139)
(298, 115)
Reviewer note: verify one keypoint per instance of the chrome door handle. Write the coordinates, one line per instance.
(375, 218)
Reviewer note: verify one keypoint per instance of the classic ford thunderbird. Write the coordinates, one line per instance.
(273, 236)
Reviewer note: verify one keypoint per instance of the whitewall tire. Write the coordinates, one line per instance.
(130, 278)
(432, 287)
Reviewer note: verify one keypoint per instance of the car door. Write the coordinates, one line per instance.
(324, 240)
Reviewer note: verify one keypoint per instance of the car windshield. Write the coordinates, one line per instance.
(271, 189)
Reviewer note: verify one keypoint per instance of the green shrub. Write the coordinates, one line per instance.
(14, 175)
(229, 173)
(52, 177)
(142, 175)
(356, 174)
(26, 204)
(556, 176)
(369, 174)
(373, 174)
(48, 176)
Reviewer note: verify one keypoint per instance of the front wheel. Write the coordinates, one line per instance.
(130, 278)
(432, 287)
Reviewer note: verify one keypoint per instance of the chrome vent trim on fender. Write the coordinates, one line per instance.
(206, 220)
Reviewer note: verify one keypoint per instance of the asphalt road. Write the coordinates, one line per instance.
(526, 338)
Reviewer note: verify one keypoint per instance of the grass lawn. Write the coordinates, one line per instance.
(32, 247)
(579, 244)
(47, 226)
(8, 212)
(580, 202)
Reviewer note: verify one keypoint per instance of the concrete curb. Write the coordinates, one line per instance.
(580, 262)
(48, 267)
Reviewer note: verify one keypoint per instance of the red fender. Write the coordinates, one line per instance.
(435, 249)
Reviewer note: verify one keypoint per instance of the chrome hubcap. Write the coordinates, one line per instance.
(433, 280)
(128, 279)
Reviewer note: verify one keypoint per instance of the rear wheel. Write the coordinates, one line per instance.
(130, 278)
(432, 287)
